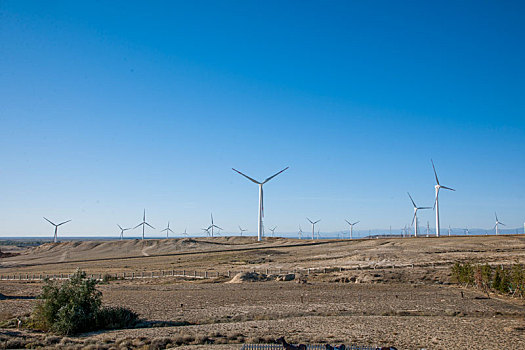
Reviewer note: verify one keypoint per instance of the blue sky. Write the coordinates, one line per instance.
(107, 108)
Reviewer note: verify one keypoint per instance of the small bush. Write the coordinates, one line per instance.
(74, 306)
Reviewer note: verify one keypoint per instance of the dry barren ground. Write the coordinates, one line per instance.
(410, 308)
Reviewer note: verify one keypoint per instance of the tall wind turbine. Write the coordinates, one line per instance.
(212, 226)
(351, 227)
(497, 224)
(416, 208)
(273, 230)
(168, 230)
(56, 227)
(261, 205)
(122, 230)
(143, 224)
(313, 226)
(436, 202)
(242, 230)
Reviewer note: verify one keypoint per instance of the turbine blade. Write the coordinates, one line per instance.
(448, 188)
(413, 219)
(119, 227)
(65, 222)
(309, 220)
(502, 224)
(412, 200)
(317, 221)
(356, 222)
(435, 173)
(246, 176)
(138, 225)
(149, 225)
(424, 208)
(52, 223)
(496, 215)
(435, 201)
(144, 217)
(348, 222)
(262, 202)
(274, 175)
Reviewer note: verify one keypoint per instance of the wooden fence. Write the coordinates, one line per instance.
(194, 274)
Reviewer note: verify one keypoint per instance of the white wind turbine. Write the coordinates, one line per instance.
(168, 230)
(351, 228)
(261, 204)
(143, 224)
(122, 230)
(242, 230)
(56, 227)
(273, 230)
(497, 224)
(212, 226)
(207, 230)
(300, 232)
(416, 208)
(185, 233)
(436, 202)
(313, 226)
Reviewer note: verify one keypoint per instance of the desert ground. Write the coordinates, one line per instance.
(391, 291)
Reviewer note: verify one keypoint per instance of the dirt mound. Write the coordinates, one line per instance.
(243, 277)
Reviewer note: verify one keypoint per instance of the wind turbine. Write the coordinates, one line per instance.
(168, 230)
(436, 202)
(242, 230)
(261, 204)
(416, 208)
(122, 230)
(313, 226)
(207, 230)
(212, 226)
(318, 235)
(449, 229)
(185, 233)
(466, 231)
(351, 227)
(301, 232)
(273, 230)
(497, 224)
(56, 227)
(143, 224)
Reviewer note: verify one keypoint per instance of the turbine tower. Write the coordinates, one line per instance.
(416, 208)
(122, 230)
(351, 227)
(242, 230)
(143, 224)
(261, 205)
(313, 226)
(212, 226)
(273, 230)
(56, 227)
(436, 202)
(497, 224)
(168, 230)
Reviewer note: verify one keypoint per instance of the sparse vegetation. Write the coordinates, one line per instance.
(74, 306)
(510, 280)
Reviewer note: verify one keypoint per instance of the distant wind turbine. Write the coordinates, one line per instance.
(168, 230)
(261, 203)
(449, 229)
(185, 233)
(143, 224)
(273, 230)
(56, 227)
(497, 224)
(212, 226)
(466, 231)
(436, 202)
(416, 208)
(122, 230)
(351, 228)
(301, 232)
(313, 226)
(242, 230)
(207, 230)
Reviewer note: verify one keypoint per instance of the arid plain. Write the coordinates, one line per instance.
(390, 291)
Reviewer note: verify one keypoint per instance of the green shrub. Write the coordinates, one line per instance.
(74, 306)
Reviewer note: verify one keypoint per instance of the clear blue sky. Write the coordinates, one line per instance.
(110, 107)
